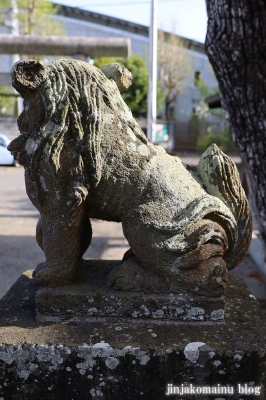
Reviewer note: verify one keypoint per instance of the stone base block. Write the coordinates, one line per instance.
(89, 296)
(136, 359)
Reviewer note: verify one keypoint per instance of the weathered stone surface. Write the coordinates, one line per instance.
(89, 296)
(102, 360)
(86, 157)
(121, 76)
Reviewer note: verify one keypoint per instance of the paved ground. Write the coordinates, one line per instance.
(18, 217)
(19, 250)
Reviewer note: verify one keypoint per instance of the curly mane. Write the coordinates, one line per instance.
(75, 103)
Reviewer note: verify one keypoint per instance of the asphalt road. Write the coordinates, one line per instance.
(19, 250)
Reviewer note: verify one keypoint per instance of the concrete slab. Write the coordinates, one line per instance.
(256, 252)
(253, 277)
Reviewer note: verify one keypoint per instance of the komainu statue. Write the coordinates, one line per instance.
(86, 157)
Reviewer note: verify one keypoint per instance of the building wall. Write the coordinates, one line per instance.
(139, 44)
(75, 27)
(5, 60)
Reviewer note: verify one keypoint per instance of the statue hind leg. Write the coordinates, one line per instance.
(197, 266)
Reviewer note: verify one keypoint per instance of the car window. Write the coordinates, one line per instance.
(2, 142)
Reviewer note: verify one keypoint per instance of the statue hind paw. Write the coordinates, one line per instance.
(132, 277)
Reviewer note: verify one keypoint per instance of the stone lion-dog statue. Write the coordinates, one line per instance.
(86, 157)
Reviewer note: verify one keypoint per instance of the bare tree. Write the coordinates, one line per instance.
(236, 44)
(174, 64)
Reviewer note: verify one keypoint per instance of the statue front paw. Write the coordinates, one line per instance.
(47, 274)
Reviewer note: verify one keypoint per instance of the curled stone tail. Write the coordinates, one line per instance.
(221, 178)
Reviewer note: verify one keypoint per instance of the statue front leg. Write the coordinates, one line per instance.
(63, 235)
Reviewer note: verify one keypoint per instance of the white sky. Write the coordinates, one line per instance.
(186, 17)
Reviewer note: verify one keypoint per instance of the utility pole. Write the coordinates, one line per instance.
(15, 31)
(152, 94)
(14, 19)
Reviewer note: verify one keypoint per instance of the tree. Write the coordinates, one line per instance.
(174, 64)
(136, 95)
(34, 16)
(4, 11)
(7, 102)
(236, 44)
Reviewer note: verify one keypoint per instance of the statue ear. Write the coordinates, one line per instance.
(121, 75)
(28, 74)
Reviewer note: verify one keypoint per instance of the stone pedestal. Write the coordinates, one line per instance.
(118, 358)
(89, 296)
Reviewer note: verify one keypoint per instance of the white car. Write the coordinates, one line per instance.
(6, 157)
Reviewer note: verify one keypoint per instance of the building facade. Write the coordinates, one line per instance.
(80, 22)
